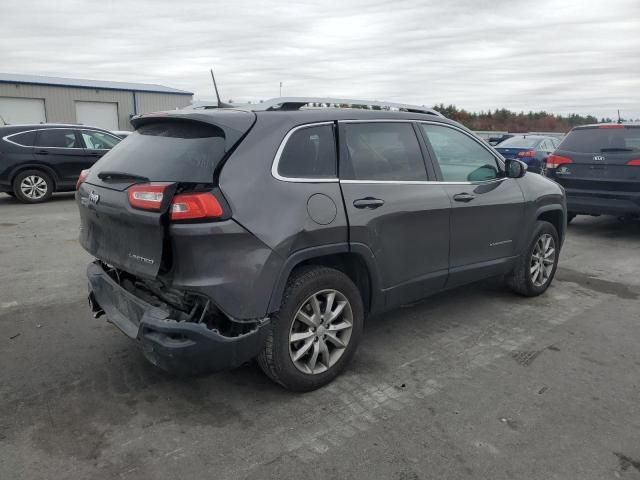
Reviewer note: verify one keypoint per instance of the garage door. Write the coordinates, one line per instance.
(22, 110)
(97, 114)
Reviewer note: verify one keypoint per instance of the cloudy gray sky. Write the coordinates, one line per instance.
(561, 56)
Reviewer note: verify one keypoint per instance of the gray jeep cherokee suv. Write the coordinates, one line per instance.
(272, 231)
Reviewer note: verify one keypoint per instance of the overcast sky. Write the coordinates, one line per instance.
(561, 56)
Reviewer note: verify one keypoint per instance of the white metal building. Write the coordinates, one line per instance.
(36, 99)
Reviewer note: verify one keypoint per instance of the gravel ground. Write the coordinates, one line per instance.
(473, 383)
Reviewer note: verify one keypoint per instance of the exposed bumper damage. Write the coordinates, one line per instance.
(174, 340)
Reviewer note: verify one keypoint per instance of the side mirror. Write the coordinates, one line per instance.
(515, 168)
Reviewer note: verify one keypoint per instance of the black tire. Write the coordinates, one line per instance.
(38, 176)
(520, 281)
(570, 216)
(275, 359)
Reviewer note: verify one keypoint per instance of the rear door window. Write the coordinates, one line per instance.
(57, 138)
(382, 151)
(310, 152)
(460, 158)
(170, 150)
(602, 140)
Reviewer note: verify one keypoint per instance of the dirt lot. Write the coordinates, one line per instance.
(474, 383)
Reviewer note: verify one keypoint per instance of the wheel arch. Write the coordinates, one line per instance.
(35, 166)
(556, 216)
(355, 261)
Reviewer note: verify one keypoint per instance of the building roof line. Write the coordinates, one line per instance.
(90, 84)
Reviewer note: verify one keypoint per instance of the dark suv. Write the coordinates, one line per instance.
(599, 166)
(273, 231)
(36, 160)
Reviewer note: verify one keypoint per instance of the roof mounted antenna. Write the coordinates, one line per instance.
(221, 104)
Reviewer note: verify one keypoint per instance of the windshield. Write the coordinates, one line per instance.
(598, 140)
(519, 142)
(182, 151)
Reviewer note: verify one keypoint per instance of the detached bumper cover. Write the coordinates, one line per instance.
(167, 343)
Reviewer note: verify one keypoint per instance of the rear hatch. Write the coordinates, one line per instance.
(128, 197)
(601, 158)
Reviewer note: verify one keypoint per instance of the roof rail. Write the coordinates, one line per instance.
(295, 103)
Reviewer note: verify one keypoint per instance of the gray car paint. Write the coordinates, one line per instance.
(243, 263)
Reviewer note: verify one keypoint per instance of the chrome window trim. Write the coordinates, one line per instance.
(276, 160)
(422, 182)
(6, 138)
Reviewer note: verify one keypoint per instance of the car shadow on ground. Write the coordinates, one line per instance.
(6, 199)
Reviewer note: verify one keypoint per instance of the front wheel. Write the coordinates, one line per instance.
(537, 266)
(316, 331)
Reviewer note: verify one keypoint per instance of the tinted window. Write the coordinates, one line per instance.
(520, 142)
(461, 159)
(309, 153)
(28, 139)
(98, 140)
(168, 151)
(58, 138)
(597, 140)
(382, 151)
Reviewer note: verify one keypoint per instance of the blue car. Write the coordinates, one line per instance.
(531, 149)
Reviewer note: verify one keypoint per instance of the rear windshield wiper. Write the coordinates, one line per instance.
(110, 175)
(615, 149)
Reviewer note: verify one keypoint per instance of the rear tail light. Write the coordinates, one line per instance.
(192, 206)
(554, 161)
(611, 126)
(528, 153)
(184, 206)
(83, 176)
(147, 196)
(634, 162)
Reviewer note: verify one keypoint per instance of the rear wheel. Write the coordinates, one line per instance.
(316, 331)
(536, 268)
(32, 186)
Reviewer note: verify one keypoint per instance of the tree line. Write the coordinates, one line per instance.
(506, 120)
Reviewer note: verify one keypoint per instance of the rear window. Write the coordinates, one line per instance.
(168, 151)
(598, 140)
(519, 142)
(382, 151)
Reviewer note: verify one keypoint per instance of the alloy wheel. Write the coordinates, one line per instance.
(320, 331)
(542, 260)
(34, 187)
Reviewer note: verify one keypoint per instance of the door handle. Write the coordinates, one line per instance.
(42, 152)
(463, 197)
(368, 202)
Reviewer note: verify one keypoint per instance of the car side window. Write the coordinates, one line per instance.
(545, 146)
(310, 152)
(95, 140)
(382, 151)
(26, 139)
(460, 158)
(57, 138)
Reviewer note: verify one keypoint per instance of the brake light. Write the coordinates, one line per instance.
(528, 153)
(191, 206)
(611, 126)
(147, 196)
(554, 161)
(83, 176)
(635, 162)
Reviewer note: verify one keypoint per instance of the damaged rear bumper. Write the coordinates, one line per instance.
(169, 344)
